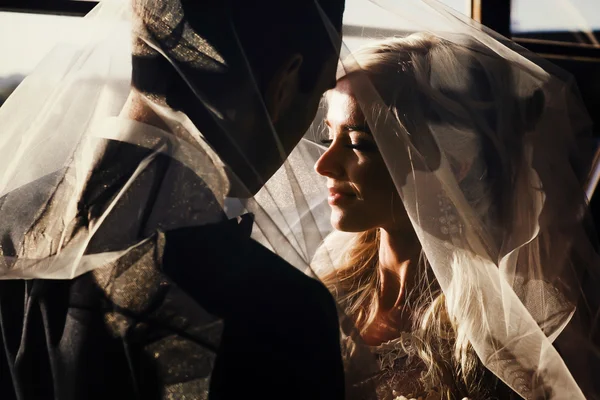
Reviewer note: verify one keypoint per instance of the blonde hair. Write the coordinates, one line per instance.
(451, 364)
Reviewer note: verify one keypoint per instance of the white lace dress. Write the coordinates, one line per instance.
(395, 375)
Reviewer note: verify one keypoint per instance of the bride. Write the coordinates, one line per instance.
(463, 111)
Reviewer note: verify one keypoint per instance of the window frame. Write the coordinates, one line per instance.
(58, 7)
(494, 14)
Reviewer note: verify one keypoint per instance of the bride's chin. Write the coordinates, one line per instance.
(337, 223)
(344, 222)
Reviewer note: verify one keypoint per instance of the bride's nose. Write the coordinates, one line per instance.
(330, 163)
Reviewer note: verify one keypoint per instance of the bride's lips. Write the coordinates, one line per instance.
(339, 196)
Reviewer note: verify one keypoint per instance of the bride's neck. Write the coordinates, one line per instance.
(399, 253)
(398, 262)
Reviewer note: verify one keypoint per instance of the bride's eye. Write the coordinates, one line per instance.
(361, 141)
(363, 145)
(326, 142)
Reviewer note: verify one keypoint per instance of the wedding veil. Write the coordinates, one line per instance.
(511, 244)
(520, 272)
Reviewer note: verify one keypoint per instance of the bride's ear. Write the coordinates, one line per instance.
(283, 86)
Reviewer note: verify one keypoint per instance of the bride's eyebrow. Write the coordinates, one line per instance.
(364, 128)
(358, 128)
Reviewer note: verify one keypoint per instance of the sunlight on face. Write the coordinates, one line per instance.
(362, 195)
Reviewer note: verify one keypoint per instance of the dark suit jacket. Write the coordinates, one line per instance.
(191, 313)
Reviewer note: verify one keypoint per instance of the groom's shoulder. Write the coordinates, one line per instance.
(223, 271)
(277, 275)
(20, 207)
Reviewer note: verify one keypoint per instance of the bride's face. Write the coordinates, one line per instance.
(362, 195)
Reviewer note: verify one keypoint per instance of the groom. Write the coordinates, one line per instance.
(199, 312)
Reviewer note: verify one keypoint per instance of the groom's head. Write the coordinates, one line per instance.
(248, 73)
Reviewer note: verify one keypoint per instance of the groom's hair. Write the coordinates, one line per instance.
(238, 36)
(273, 29)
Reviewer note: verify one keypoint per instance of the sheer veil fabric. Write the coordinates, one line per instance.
(518, 269)
(520, 272)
